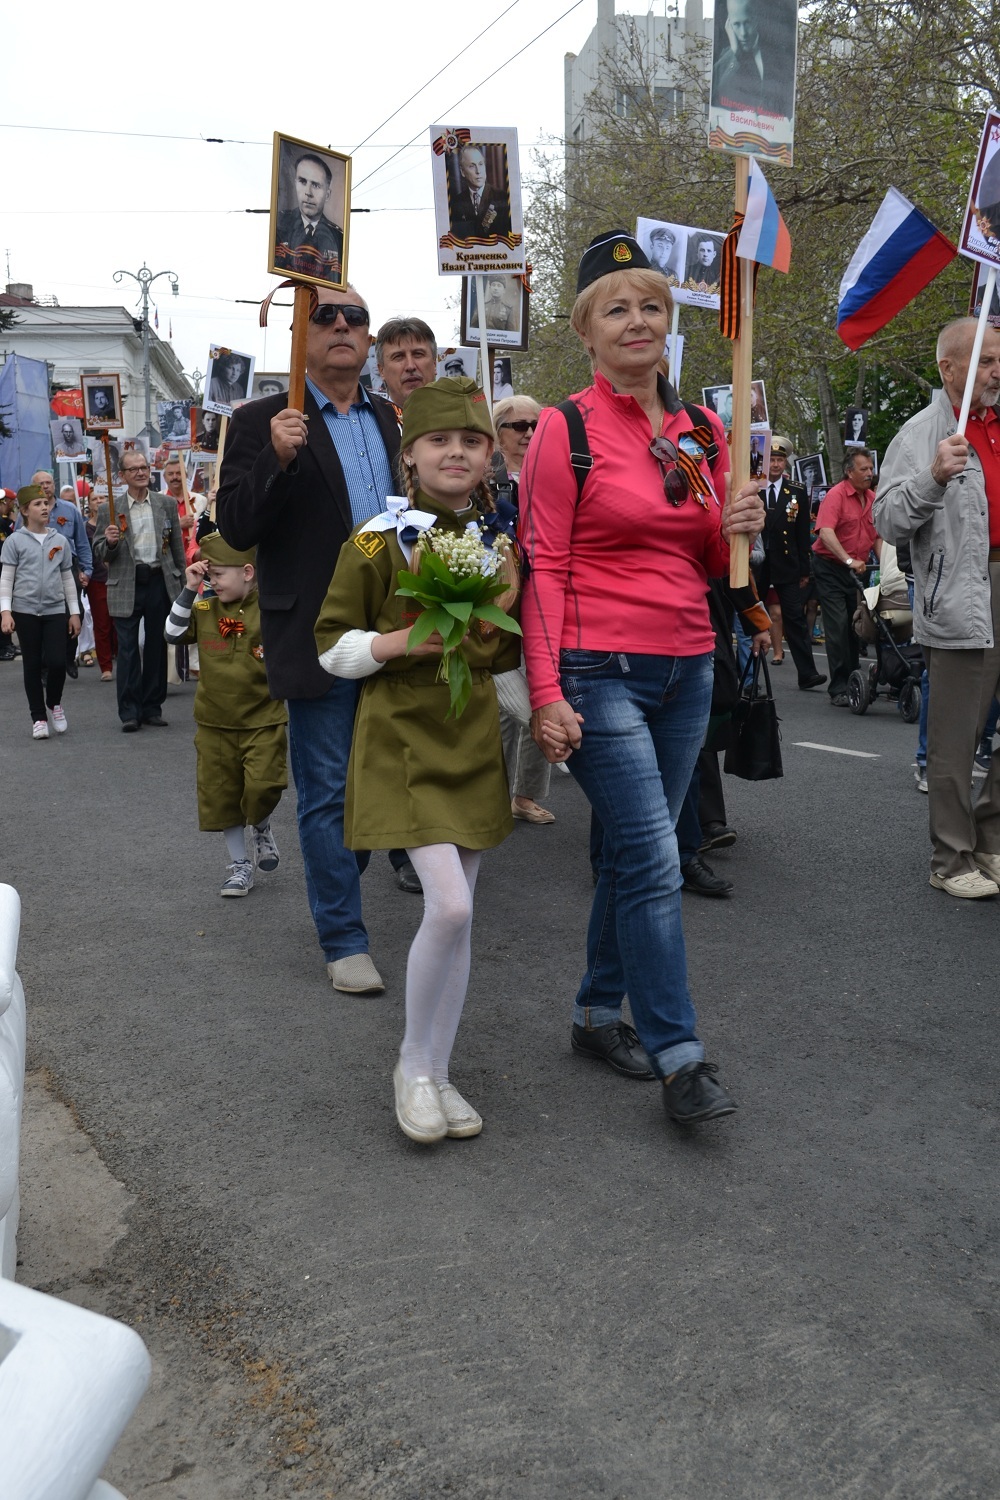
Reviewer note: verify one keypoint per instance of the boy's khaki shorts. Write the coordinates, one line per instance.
(241, 775)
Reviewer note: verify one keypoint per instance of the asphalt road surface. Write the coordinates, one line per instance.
(584, 1301)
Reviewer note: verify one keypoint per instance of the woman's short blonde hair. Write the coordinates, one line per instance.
(504, 410)
(649, 283)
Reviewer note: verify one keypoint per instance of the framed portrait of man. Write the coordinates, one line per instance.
(174, 418)
(810, 473)
(855, 427)
(506, 311)
(269, 383)
(206, 426)
(227, 379)
(760, 453)
(67, 439)
(981, 226)
(979, 274)
(477, 200)
(458, 362)
(758, 404)
(690, 259)
(115, 448)
(752, 91)
(102, 402)
(719, 398)
(310, 212)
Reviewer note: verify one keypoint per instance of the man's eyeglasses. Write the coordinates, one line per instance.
(675, 482)
(521, 427)
(328, 313)
(137, 469)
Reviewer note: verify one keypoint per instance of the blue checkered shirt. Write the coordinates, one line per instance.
(357, 438)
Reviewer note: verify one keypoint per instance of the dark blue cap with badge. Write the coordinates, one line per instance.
(616, 250)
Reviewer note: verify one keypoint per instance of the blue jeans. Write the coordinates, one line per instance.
(644, 722)
(319, 743)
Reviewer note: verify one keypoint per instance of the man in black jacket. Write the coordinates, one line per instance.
(787, 558)
(294, 484)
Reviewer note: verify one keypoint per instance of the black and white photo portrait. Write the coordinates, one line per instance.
(690, 259)
(478, 218)
(703, 267)
(503, 379)
(458, 362)
(810, 472)
(310, 204)
(67, 438)
(506, 316)
(753, 61)
(207, 429)
(268, 383)
(97, 458)
(227, 379)
(758, 404)
(102, 401)
(719, 398)
(478, 191)
(856, 427)
(174, 418)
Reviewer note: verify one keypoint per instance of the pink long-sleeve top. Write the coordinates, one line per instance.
(619, 569)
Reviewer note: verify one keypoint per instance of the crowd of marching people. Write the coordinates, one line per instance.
(579, 617)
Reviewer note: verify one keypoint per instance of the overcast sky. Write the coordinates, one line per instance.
(76, 207)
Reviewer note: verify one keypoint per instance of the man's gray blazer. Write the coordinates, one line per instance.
(121, 559)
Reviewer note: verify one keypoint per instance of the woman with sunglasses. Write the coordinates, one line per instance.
(528, 772)
(619, 649)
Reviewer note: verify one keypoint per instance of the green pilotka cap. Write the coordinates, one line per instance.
(452, 404)
(27, 493)
(214, 548)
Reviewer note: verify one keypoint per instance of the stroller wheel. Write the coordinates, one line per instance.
(857, 692)
(909, 701)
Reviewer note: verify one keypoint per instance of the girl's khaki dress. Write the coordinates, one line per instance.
(416, 777)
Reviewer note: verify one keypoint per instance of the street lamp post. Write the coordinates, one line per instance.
(145, 278)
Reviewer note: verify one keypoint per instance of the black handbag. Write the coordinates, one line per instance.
(755, 749)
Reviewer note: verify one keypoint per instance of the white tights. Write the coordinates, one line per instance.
(437, 971)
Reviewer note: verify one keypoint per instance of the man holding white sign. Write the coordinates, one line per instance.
(940, 491)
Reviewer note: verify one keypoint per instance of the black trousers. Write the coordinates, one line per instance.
(838, 599)
(42, 639)
(142, 676)
(793, 615)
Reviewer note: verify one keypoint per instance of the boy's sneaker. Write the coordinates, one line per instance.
(58, 719)
(984, 755)
(265, 850)
(240, 881)
(40, 729)
(920, 777)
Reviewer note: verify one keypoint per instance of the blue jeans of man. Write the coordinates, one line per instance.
(320, 731)
(644, 722)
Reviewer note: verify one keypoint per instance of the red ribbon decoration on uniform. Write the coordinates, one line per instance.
(228, 626)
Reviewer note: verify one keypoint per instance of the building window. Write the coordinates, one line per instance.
(668, 101)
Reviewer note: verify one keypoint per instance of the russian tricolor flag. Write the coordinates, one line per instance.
(764, 235)
(900, 255)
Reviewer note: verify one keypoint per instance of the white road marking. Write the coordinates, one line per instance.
(836, 750)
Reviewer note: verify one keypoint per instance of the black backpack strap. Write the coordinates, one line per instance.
(696, 416)
(580, 455)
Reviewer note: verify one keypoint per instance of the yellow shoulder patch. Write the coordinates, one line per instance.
(202, 604)
(369, 542)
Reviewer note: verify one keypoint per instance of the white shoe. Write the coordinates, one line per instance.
(920, 777)
(989, 864)
(265, 850)
(463, 1121)
(972, 884)
(356, 975)
(58, 719)
(40, 729)
(240, 881)
(418, 1108)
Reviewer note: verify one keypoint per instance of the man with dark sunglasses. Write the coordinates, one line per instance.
(294, 484)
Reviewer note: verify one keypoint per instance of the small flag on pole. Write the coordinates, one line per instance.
(900, 255)
(764, 236)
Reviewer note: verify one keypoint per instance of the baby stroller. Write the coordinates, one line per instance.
(884, 619)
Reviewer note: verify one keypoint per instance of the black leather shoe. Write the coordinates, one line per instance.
(8, 656)
(408, 880)
(716, 836)
(840, 700)
(816, 680)
(130, 726)
(72, 670)
(156, 722)
(699, 878)
(617, 1045)
(692, 1095)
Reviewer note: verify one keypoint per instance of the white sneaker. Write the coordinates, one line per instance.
(40, 729)
(418, 1108)
(989, 864)
(973, 884)
(265, 850)
(59, 723)
(240, 881)
(920, 777)
(463, 1121)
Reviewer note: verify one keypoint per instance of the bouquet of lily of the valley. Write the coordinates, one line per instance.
(463, 584)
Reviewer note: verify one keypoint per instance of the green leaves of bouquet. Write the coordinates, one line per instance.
(456, 585)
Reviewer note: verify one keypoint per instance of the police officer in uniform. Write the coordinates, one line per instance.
(787, 558)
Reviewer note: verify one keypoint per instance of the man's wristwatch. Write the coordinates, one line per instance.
(848, 562)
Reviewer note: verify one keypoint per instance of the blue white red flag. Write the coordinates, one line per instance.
(900, 255)
(764, 236)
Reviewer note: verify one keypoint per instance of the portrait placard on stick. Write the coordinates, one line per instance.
(690, 259)
(269, 383)
(752, 99)
(67, 439)
(227, 379)
(102, 402)
(477, 200)
(310, 212)
(506, 306)
(979, 274)
(981, 226)
(458, 362)
(174, 418)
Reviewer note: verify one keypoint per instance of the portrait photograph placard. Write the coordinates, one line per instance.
(206, 426)
(227, 379)
(97, 459)
(719, 398)
(690, 259)
(174, 419)
(477, 200)
(458, 362)
(370, 377)
(981, 226)
(67, 439)
(979, 274)
(810, 473)
(269, 383)
(310, 212)
(752, 95)
(760, 453)
(506, 309)
(855, 427)
(503, 377)
(758, 404)
(102, 402)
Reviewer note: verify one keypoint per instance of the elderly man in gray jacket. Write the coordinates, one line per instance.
(941, 493)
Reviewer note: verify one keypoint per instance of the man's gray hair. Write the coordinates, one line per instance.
(396, 329)
(954, 337)
(851, 457)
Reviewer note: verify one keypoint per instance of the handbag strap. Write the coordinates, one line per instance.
(759, 661)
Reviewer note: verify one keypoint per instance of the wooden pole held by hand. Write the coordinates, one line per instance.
(300, 333)
(112, 521)
(485, 360)
(739, 442)
(977, 348)
(223, 429)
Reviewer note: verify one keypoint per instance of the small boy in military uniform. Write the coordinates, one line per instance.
(240, 736)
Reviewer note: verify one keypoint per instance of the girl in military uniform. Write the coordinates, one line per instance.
(418, 779)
